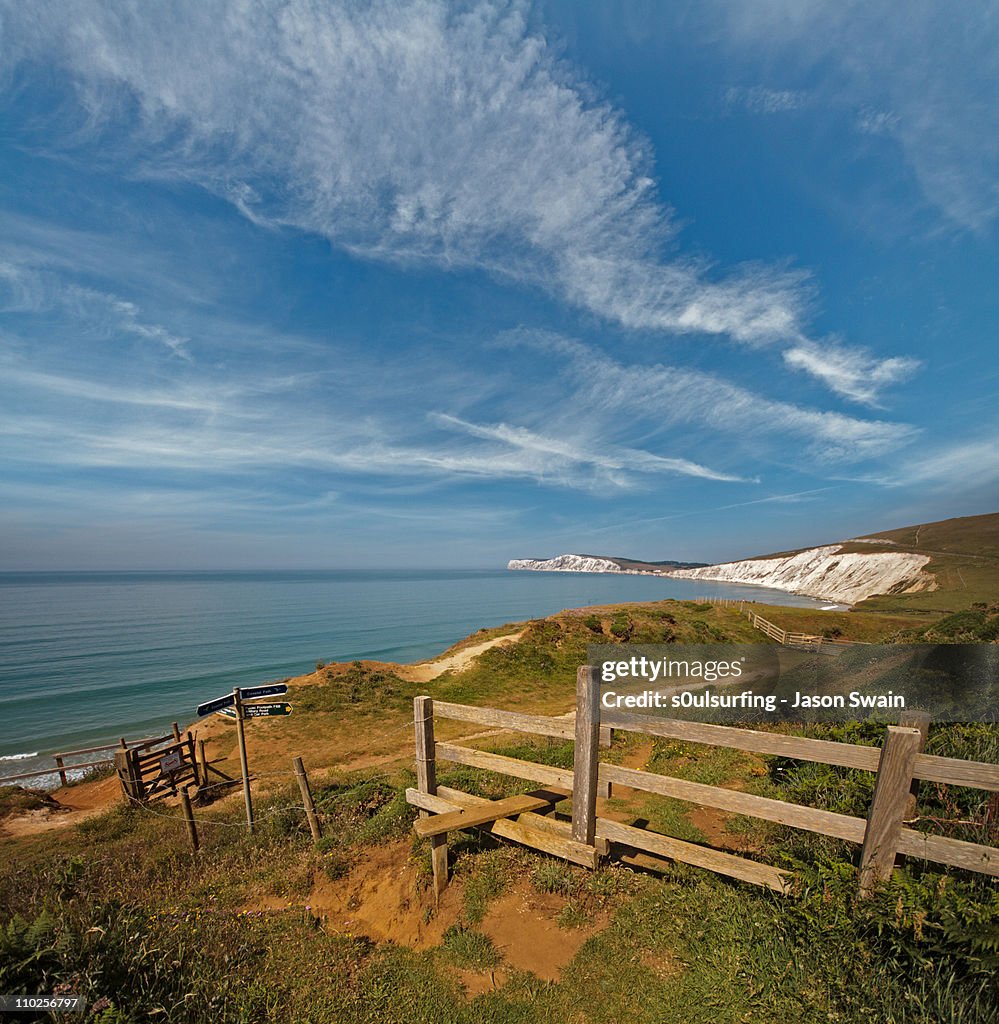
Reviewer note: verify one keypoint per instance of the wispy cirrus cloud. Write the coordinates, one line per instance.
(921, 73)
(490, 151)
(759, 99)
(850, 371)
(672, 395)
(611, 459)
(29, 288)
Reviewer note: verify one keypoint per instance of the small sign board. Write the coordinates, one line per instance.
(265, 710)
(268, 690)
(228, 712)
(213, 705)
(171, 762)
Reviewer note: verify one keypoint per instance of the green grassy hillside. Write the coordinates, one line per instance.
(964, 559)
(270, 928)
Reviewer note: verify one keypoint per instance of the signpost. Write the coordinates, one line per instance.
(245, 693)
(237, 700)
(232, 706)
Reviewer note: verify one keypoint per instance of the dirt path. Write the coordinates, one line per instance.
(427, 670)
(73, 804)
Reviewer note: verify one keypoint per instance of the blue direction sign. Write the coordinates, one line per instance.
(270, 690)
(214, 705)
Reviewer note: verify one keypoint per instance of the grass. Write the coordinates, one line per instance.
(122, 911)
(468, 948)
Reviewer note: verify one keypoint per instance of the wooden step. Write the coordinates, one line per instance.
(491, 810)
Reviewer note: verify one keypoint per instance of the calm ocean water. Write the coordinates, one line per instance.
(88, 657)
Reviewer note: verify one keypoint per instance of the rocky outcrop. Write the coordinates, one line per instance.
(827, 573)
(565, 563)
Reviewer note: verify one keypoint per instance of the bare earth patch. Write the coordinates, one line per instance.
(523, 926)
(382, 899)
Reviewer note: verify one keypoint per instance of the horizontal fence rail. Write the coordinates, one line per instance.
(61, 767)
(898, 766)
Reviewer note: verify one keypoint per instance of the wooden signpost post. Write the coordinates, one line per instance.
(232, 706)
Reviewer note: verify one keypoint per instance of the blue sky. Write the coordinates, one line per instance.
(312, 284)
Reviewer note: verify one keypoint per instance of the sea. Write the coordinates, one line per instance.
(88, 657)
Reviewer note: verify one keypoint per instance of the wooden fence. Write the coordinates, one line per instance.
(62, 765)
(158, 767)
(782, 636)
(899, 765)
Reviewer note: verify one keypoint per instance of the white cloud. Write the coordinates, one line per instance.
(611, 459)
(853, 373)
(960, 466)
(871, 121)
(676, 395)
(758, 99)
(404, 130)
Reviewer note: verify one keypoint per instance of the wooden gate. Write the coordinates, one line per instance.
(899, 764)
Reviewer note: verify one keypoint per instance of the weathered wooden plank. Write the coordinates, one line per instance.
(891, 797)
(530, 829)
(479, 815)
(586, 755)
(540, 725)
(153, 741)
(847, 755)
(53, 771)
(689, 853)
(943, 850)
(153, 756)
(514, 766)
(94, 750)
(828, 823)
(955, 772)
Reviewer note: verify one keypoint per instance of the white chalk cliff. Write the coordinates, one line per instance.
(826, 573)
(565, 563)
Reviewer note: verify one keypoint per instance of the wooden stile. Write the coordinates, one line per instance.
(529, 828)
(481, 814)
(898, 764)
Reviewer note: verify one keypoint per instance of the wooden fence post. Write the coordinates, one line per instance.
(128, 774)
(887, 811)
(915, 720)
(198, 780)
(584, 787)
(192, 828)
(62, 770)
(244, 769)
(307, 801)
(203, 761)
(426, 782)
